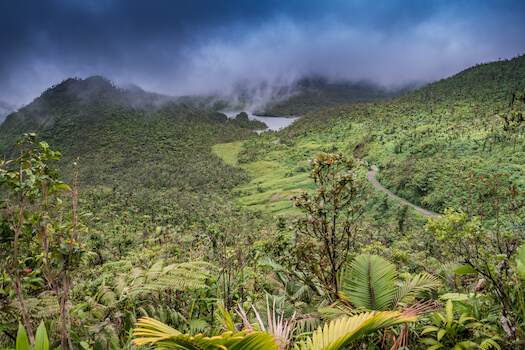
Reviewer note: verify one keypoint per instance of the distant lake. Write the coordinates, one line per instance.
(274, 123)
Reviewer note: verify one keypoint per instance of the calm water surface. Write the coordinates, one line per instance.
(274, 123)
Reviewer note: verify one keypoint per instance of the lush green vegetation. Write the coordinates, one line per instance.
(177, 214)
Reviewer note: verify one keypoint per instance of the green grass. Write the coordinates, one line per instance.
(270, 186)
(228, 151)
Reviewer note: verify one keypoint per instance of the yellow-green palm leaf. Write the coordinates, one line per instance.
(156, 333)
(341, 332)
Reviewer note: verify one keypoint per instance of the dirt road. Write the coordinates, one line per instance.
(374, 182)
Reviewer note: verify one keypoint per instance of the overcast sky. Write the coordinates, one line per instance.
(182, 47)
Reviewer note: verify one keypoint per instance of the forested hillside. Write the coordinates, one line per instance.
(313, 94)
(427, 141)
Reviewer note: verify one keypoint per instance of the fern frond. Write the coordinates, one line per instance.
(107, 296)
(301, 292)
(198, 326)
(490, 343)
(120, 284)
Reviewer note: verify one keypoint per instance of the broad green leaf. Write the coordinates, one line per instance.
(522, 254)
(456, 296)
(429, 329)
(41, 340)
(22, 343)
(465, 317)
(429, 341)
(449, 308)
(434, 347)
(521, 269)
(465, 270)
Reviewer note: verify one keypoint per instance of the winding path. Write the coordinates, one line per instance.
(374, 182)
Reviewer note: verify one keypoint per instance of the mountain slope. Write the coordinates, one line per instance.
(427, 141)
(131, 137)
(311, 94)
(145, 161)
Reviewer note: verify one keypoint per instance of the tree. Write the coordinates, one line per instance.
(332, 213)
(31, 214)
(516, 115)
(487, 251)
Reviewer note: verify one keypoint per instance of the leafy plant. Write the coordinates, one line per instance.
(41, 339)
(331, 217)
(371, 283)
(457, 334)
(31, 212)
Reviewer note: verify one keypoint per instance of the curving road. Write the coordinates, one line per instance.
(374, 182)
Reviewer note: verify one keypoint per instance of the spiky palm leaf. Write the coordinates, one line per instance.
(161, 336)
(370, 282)
(278, 326)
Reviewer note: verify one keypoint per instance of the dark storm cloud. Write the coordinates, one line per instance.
(189, 46)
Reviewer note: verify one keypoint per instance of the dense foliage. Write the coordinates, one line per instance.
(192, 240)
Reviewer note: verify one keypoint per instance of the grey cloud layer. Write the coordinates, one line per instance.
(181, 47)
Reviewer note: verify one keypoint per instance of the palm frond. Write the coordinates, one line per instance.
(161, 336)
(369, 283)
(422, 282)
(343, 331)
(336, 310)
(152, 331)
(225, 317)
